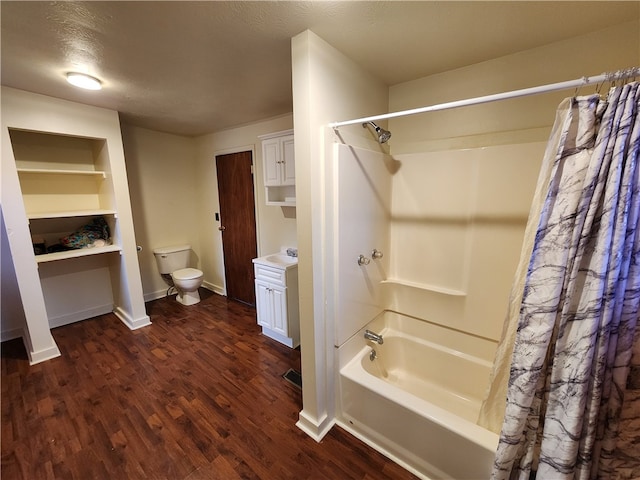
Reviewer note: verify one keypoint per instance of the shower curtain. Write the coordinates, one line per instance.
(575, 311)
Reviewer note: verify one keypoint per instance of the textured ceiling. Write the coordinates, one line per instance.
(197, 67)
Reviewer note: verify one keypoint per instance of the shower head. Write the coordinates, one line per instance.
(383, 135)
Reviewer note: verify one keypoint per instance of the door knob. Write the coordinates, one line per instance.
(222, 228)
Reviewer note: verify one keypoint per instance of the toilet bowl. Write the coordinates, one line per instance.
(187, 281)
(173, 266)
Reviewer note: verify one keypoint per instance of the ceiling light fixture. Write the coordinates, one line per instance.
(84, 81)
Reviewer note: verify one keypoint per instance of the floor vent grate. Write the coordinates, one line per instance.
(293, 377)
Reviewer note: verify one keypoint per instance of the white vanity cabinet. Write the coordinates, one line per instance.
(278, 163)
(277, 301)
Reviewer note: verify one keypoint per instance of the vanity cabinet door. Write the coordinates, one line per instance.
(279, 302)
(271, 307)
(264, 309)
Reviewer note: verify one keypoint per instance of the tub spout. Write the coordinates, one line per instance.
(369, 335)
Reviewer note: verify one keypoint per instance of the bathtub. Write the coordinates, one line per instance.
(417, 402)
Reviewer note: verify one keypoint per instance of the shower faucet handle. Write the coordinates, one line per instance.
(362, 260)
(375, 254)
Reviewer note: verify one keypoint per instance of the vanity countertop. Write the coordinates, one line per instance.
(277, 260)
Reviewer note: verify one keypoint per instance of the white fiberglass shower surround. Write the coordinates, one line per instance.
(440, 220)
(417, 399)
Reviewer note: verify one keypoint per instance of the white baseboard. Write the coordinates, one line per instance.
(42, 355)
(132, 323)
(150, 296)
(316, 430)
(278, 337)
(11, 334)
(80, 315)
(215, 288)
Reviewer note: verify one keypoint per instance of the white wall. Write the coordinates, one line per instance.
(162, 180)
(276, 226)
(327, 87)
(12, 319)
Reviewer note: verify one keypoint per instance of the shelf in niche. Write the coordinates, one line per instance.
(69, 214)
(425, 286)
(282, 204)
(281, 195)
(81, 252)
(95, 173)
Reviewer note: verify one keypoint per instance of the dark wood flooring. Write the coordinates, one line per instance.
(199, 394)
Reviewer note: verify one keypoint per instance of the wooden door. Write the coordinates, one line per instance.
(238, 224)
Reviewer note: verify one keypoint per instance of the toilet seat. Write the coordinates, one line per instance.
(186, 274)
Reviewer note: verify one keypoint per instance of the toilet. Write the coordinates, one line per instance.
(173, 266)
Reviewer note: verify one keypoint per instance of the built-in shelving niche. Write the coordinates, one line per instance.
(65, 183)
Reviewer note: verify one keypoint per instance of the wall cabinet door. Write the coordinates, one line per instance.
(271, 153)
(279, 168)
(279, 161)
(288, 164)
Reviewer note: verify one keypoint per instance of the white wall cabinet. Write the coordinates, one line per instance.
(60, 171)
(278, 158)
(277, 302)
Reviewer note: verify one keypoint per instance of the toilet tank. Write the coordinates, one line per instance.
(170, 259)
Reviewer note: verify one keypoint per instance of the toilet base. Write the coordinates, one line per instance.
(188, 298)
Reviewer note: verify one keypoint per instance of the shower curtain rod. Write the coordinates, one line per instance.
(580, 82)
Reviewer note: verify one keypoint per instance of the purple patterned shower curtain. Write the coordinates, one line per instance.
(579, 311)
